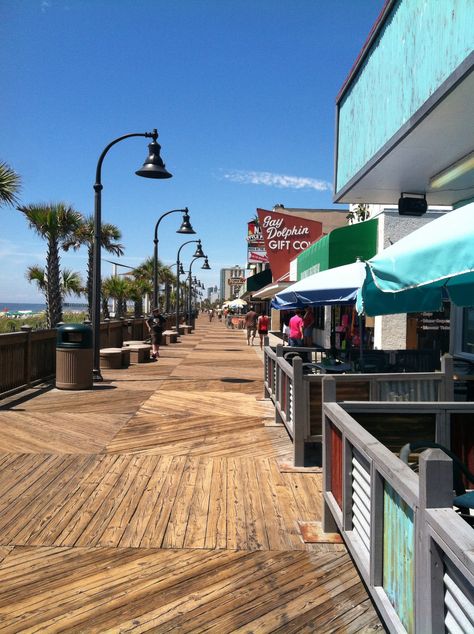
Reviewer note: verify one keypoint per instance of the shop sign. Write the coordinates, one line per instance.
(256, 253)
(285, 237)
(236, 281)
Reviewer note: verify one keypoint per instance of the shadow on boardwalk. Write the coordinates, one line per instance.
(161, 502)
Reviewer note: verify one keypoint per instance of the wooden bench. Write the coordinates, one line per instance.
(140, 353)
(111, 358)
(169, 336)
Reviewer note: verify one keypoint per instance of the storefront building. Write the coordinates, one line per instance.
(405, 124)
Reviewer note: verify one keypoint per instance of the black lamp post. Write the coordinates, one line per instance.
(152, 168)
(185, 228)
(198, 254)
(192, 281)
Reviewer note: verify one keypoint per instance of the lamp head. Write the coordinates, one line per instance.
(186, 225)
(194, 279)
(153, 167)
(198, 253)
(181, 270)
(206, 264)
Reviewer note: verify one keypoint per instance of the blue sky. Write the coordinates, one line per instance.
(242, 93)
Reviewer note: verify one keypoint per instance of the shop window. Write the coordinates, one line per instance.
(319, 317)
(468, 331)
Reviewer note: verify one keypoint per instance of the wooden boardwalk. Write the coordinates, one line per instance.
(162, 501)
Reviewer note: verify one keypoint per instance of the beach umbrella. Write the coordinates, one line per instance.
(416, 273)
(237, 303)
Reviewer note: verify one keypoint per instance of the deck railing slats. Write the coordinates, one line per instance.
(298, 396)
(419, 560)
(29, 357)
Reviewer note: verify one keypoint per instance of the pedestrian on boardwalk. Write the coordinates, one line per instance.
(211, 314)
(155, 324)
(262, 327)
(296, 329)
(251, 325)
(308, 323)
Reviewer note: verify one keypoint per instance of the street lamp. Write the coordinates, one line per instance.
(198, 254)
(153, 167)
(205, 266)
(185, 228)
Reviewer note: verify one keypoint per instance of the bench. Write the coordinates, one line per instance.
(127, 344)
(140, 353)
(180, 330)
(125, 357)
(111, 358)
(169, 336)
(187, 329)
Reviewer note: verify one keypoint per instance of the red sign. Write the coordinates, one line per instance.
(285, 237)
(255, 245)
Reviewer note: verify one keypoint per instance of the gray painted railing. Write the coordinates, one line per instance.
(297, 408)
(414, 552)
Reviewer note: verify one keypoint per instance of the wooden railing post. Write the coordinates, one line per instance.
(328, 396)
(436, 491)
(298, 408)
(277, 386)
(27, 358)
(447, 368)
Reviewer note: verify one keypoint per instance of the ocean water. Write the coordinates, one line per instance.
(37, 308)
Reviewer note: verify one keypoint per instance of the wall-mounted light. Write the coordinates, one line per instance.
(412, 204)
(454, 171)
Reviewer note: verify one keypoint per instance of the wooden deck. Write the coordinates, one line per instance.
(162, 501)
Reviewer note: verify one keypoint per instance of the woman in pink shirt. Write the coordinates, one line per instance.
(296, 329)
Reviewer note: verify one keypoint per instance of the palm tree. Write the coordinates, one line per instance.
(70, 281)
(54, 223)
(138, 288)
(144, 272)
(9, 185)
(117, 288)
(84, 235)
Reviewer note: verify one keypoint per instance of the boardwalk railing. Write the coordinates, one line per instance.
(29, 357)
(414, 552)
(298, 396)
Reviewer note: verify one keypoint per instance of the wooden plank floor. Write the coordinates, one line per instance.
(159, 502)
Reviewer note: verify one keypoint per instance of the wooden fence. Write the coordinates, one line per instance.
(414, 552)
(298, 396)
(29, 357)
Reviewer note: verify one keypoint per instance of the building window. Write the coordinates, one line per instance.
(468, 331)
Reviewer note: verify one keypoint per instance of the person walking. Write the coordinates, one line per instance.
(296, 329)
(251, 325)
(308, 323)
(155, 324)
(262, 327)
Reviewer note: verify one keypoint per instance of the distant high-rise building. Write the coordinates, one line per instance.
(231, 281)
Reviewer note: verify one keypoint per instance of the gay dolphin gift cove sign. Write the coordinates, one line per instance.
(285, 237)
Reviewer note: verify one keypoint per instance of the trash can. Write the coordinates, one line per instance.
(74, 357)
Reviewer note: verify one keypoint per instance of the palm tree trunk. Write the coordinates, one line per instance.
(54, 305)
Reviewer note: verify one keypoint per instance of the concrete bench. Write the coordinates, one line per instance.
(169, 336)
(139, 353)
(187, 329)
(127, 344)
(125, 357)
(111, 358)
(181, 329)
